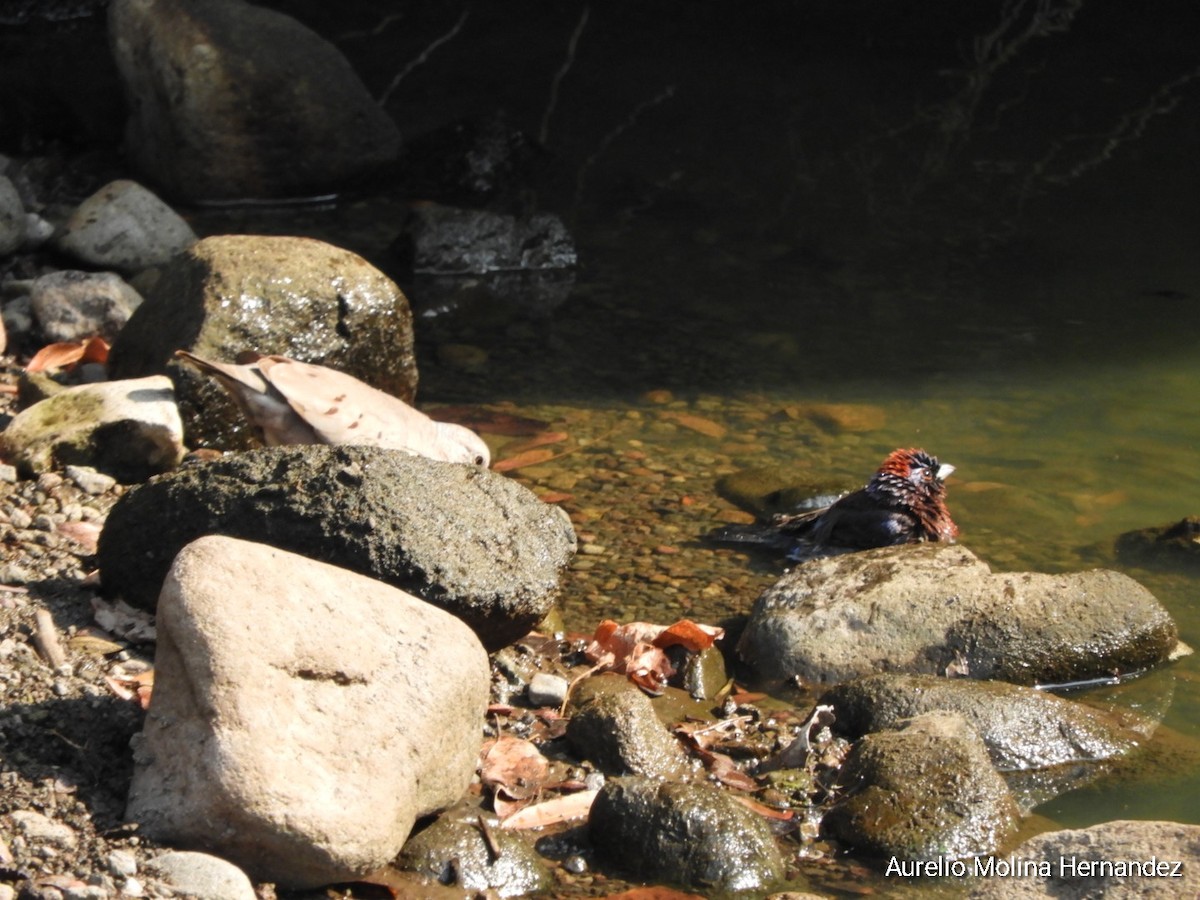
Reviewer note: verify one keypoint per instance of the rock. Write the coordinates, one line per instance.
(468, 540)
(613, 724)
(124, 226)
(301, 724)
(89, 480)
(201, 876)
(1021, 727)
(1120, 860)
(933, 608)
(229, 100)
(127, 429)
(1175, 545)
(71, 306)
(473, 162)
(12, 218)
(923, 793)
(455, 851)
(766, 490)
(40, 829)
(445, 239)
(689, 834)
(547, 690)
(295, 297)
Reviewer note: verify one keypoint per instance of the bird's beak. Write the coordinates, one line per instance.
(945, 470)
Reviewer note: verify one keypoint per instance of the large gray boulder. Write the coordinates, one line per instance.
(937, 608)
(229, 100)
(463, 538)
(293, 296)
(303, 716)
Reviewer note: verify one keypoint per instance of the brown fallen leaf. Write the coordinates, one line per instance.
(555, 497)
(699, 424)
(489, 420)
(653, 893)
(66, 354)
(85, 534)
(538, 440)
(521, 460)
(514, 766)
(566, 808)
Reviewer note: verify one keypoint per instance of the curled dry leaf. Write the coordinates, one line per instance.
(636, 649)
(85, 534)
(66, 354)
(566, 808)
(514, 768)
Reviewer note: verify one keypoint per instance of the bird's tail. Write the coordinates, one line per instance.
(762, 535)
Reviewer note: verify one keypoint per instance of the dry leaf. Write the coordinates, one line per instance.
(767, 811)
(514, 766)
(528, 458)
(129, 687)
(66, 354)
(538, 440)
(555, 497)
(696, 423)
(119, 618)
(85, 534)
(487, 420)
(653, 893)
(566, 808)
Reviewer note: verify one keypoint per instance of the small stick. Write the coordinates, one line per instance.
(45, 638)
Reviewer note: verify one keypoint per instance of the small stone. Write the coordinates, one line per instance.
(40, 829)
(8, 474)
(132, 888)
(89, 480)
(547, 690)
(122, 863)
(19, 518)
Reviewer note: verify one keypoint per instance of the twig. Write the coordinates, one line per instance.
(45, 638)
(425, 54)
(544, 131)
(661, 97)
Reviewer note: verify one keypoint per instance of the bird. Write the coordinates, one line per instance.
(292, 402)
(904, 502)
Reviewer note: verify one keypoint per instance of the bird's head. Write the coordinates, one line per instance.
(463, 445)
(914, 481)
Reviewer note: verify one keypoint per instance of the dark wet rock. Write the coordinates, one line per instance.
(1023, 728)
(925, 792)
(449, 240)
(124, 226)
(701, 674)
(473, 162)
(936, 608)
(71, 305)
(12, 218)
(455, 851)
(304, 717)
(294, 296)
(689, 834)
(229, 100)
(1174, 545)
(613, 724)
(1140, 858)
(766, 490)
(468, 540)
(127, 429)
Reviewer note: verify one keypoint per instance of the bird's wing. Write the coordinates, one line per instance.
(343, 410)
(265, 409)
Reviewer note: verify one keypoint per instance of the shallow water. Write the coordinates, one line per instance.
(733, 271)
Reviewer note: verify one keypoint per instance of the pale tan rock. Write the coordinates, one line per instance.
(303, 716)
(128, 429)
